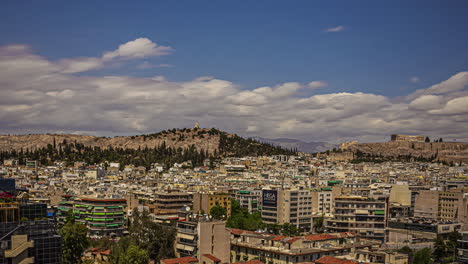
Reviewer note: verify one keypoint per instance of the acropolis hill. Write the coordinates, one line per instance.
(414, 146)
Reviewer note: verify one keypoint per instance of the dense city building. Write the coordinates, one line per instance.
(363, 215)
(27, 235)
(103, 217)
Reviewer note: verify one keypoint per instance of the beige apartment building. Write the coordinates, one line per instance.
(442, 205)
(203, 202)
(288, 206)
(322, 200)
(277, 249)
(365, 216)
(198, 236)
(171, 202)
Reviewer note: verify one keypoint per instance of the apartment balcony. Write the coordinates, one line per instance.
(187, 231)
(12, 253)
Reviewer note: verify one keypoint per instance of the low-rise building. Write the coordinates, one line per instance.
(203, 202)
(277, 249)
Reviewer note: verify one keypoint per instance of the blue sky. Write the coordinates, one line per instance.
(255, 43)
(388, 48)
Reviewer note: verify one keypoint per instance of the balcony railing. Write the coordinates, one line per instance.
(12, 253)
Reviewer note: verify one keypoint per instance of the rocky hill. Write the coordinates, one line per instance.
(206, 139)
(433, 151)
(175, 145)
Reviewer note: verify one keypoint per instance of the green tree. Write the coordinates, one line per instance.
(288, 229)
(440, 249)
(156, 239)
(452, 244)
(75, 240)
(218, 212)
(241, 218)
(427, 139)
(126, 251)
(423, 256)
(318, 224)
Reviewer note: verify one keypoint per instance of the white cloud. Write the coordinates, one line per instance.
(426, 102)
(81, 64)
(453, 107)
(42, 95)
(148, 65)
(335, 29)
(137, 49)
(414, 79)
(455, 83)
(317, 84)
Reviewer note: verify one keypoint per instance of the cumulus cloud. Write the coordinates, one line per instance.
(453, 107)
(42, 95)
(335, 29)
(455, 83)
(140, 48)
(137, 49)
(317, 84)
(426, 102)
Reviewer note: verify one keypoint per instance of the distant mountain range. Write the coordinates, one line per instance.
(308, 147)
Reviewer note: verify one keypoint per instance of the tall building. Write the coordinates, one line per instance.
(250, 200)
(26, 234)
(362, 215)
(102, 217)
(322, 200)
(442, 205)
(288, 206)
(199, 235)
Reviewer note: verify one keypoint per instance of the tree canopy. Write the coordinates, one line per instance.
(75, 240)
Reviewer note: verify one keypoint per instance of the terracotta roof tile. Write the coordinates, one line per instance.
(333, 260)
(320, 237)
(294, 239)
(180, 260)
(213, 258)
(277, 238)
(237, 231)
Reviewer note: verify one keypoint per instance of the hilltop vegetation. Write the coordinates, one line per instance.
(175, 145)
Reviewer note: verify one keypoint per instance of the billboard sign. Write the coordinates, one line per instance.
(270, 198)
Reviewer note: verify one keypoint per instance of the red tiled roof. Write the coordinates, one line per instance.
(277, 238)
(213, 258)
(294, 239)
(237, 231)
(180, 260)
(320, 237)
(253, 261)
(333, 260)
